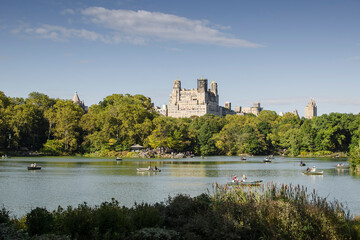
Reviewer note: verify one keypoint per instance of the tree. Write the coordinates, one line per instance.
(125, 118)
(170, 133)
(27, 126)
(64, 120)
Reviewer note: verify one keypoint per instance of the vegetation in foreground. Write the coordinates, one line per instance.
(268, 212)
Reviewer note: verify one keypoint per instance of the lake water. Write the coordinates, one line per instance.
(73, 180)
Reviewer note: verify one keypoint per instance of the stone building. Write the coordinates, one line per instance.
(255, 109)
(195, 102)
(163, 110)
(227, 105)
(77, 101)
(311, 109)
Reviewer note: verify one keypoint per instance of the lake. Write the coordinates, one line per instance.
(72, 180)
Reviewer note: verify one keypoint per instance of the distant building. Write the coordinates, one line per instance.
(77, 101)
(196, 102)
(163, 110)
(311, 109)
(227, 105)
(295, 112)
(255, 109)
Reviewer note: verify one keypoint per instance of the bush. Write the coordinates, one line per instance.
(266, 212)
(146, 216)
(10, 232)
(111, 221)
(154, 234)
(77, 223)
(4, 216)
(39, 221)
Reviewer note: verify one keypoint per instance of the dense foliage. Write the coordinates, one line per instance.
(268, 212)
(59, 127)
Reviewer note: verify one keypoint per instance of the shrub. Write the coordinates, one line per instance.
(77, 223)
(111, 221)
(39, 221)
(4, 216)
(146, 216)
(154, 234)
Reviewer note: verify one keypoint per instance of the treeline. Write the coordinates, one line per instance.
(268, 212)
(60, 127)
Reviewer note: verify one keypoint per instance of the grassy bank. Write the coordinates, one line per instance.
(268, 212)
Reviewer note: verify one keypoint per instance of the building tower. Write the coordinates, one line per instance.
(227, 105)
(213, 88)
(202, 85)
(175, 92)
(311, 109)
(76, 100)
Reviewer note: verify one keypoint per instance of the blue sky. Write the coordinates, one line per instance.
(278, 53)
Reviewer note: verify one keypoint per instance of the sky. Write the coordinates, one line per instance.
(278, 53)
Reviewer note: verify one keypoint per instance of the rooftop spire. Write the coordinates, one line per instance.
(76, 98)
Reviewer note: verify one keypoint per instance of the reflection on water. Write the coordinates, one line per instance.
(73, 180)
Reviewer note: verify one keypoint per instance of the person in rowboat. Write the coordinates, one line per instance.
(313, 169)
(235, 179)
(243, 178)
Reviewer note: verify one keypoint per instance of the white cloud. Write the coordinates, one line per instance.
(137, 27)
(58, 33)
(68, 11)
(158, 25)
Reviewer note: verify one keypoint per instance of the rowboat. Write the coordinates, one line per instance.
(34, 168)
(148, 170)
(243, 158)
(313, 173)
(267, 160)
(118, 159)
(302, 164)
(246, 183)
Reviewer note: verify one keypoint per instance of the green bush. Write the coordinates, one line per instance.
(154, 234)
(112, 221)
(77, 223)
(146, 216)
(39, 221)
(267, 212)
(4, 216)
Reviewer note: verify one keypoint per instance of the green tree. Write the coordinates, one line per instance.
(170, 133)
(64, 120)
(125, 118)
(27, 126)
